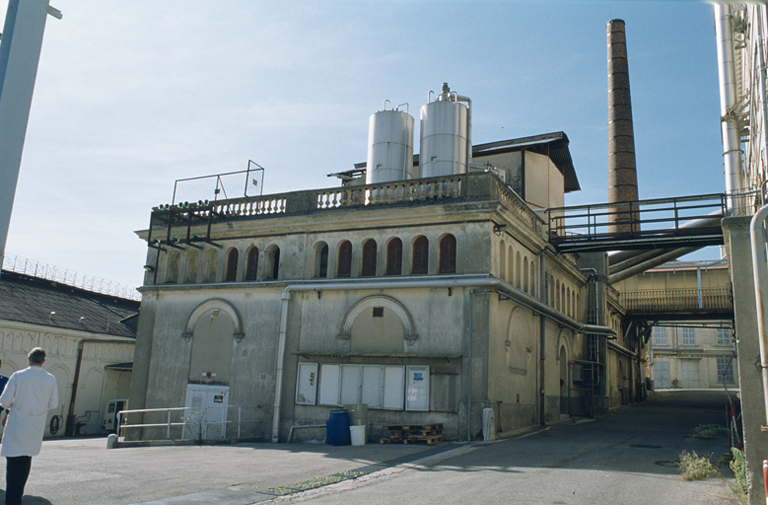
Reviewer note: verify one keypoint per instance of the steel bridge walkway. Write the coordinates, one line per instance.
(665, 223)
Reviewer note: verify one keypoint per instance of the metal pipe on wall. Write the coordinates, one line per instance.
(734, 175)
(757, 237)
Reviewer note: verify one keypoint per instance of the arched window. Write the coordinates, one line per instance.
(232, 258)
(518, 274)
(190, 275)
(562, 297)
(511, 265)
(447, 247)
(394, 257)
(252, 264)
(344, 267)
(369, 258)
(420, 264)
(525, 274)
(557, 295)
(321, 260)
(568, 301)
(533, 279)
(273, 263)
(502, 261)
(552, 291)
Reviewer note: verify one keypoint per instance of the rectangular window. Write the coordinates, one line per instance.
(725, 370)
(689, 336)
(659, 335)
(724, 336)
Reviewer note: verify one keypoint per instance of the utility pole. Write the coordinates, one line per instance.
(20, 46)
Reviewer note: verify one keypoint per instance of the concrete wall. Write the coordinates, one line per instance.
(96, 384)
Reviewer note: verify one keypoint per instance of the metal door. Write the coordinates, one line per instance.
(206, 416)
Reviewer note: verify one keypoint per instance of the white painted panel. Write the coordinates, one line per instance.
(306, 384)
(372, 386)
(330, 384)
(351, 381)
(394, 387)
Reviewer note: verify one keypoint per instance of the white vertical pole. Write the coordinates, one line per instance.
(19, 56)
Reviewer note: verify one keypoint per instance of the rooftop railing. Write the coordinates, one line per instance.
(483, 186)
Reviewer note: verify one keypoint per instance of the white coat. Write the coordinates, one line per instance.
(29, 394)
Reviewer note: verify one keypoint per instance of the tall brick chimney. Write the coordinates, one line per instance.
(622, 169)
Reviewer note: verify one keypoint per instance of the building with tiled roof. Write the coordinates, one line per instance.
(88, 337)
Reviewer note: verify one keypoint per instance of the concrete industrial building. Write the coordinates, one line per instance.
(431, 298)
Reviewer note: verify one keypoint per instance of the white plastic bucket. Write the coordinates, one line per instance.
(357, 434)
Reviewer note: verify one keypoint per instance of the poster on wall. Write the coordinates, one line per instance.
(417, 388)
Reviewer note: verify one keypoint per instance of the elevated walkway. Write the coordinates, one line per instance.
(678, 304)
(664, 223)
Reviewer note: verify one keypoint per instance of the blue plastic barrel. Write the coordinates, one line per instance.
(337, 428)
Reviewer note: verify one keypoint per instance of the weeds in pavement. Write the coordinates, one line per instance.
(706, 432)
(695, 467)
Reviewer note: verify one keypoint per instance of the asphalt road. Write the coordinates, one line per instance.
(623, 458)
(626, 457)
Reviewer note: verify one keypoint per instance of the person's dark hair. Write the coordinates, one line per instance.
(36, 356)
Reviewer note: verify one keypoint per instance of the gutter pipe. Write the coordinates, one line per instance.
(734, 176)
(486, 282)
(760, 274)
(71, 423)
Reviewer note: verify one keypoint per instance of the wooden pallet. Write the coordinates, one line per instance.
(413, 433)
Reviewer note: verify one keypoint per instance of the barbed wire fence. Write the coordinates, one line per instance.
(26, 266)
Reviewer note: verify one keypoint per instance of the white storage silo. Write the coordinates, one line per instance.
(390, 147)
(445, 135)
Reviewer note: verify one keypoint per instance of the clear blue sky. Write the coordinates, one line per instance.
(133, 95)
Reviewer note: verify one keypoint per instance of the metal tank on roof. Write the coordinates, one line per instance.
(446, 142)
(390, 146)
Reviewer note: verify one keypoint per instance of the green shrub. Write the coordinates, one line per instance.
(739, 467)
(695, 467)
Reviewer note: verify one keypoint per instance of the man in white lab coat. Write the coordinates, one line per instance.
(28, 396)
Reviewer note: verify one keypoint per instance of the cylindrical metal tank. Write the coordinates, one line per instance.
(390, 147)
(444, 136)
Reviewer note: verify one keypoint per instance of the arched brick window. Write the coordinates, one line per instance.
(394, 257)
(252, 264)
(232, 257)
(420, 263)
(344, 268)
(447, 263)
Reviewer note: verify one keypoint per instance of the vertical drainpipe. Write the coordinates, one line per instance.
(734, 176)
(542, 340)
(286, 298)
(760, 272)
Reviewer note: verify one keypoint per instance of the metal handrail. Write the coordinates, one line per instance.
(122, 417)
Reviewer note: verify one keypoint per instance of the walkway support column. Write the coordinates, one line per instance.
(753, 415)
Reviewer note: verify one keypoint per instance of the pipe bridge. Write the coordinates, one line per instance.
(663, 223)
